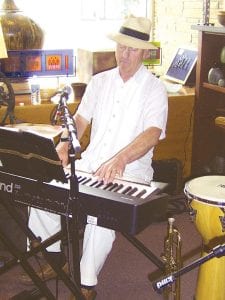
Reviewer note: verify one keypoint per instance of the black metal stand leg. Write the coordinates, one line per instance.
(74, 230)
(141, 247)
(74, 285)
(40, 248)
(75, 247)
(26, 266)
(18, 218)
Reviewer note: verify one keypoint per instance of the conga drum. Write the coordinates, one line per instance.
(206, 198)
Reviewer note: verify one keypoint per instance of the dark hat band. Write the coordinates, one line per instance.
(134, 33)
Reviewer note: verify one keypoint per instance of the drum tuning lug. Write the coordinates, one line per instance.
(192, 214)
(222, 221)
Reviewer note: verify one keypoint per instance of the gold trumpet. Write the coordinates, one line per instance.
(172, 259)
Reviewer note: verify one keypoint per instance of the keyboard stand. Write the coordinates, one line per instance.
(144, 250)
(22, 257)
(34, 156)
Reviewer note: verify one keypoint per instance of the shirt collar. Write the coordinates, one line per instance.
(137, 77)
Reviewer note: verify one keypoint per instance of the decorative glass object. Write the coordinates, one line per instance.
(20, 32)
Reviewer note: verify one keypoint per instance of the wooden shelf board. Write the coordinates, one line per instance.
(214, 87)
(210, 29)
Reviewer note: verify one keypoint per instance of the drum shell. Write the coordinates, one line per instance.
(208, 212)
(208, 223)
(206, 199)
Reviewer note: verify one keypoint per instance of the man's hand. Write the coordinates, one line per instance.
(137, 148)
(62, 149)
(112, 168)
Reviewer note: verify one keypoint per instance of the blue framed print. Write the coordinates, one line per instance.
(182, 65)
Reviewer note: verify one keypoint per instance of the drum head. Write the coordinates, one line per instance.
(209, 189)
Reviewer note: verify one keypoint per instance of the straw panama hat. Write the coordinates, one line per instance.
(135, 32)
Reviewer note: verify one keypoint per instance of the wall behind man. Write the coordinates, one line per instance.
(172, 22)
(66, 27)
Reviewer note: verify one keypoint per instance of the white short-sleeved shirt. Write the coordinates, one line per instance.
(119, 112)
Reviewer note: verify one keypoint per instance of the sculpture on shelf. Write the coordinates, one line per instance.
(29, 36)
(215, 74)
(7, 98)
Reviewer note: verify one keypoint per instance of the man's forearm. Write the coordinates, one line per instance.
(140, 146)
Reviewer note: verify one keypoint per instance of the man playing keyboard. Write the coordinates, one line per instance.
(127, 109)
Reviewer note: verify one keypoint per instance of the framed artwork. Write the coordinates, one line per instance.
(155, 56)
(182, 65)
(26, 63)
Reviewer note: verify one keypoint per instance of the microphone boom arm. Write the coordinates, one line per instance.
(217, 251)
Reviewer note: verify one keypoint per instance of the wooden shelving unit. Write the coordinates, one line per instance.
(209, 102)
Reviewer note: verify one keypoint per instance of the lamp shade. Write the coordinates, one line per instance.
(3, 50)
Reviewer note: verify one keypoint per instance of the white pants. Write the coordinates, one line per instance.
(96, 245)
(45, 224)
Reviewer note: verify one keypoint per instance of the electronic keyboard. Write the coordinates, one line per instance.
(122, 205)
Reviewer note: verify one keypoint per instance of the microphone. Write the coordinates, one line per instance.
(162, 283)
(64, 95)
(65, 92)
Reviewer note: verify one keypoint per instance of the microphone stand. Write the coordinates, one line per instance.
(64, 94)
(217, 251)
(74, 148)
(56, 114)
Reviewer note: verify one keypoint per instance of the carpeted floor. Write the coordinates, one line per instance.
(128, 273)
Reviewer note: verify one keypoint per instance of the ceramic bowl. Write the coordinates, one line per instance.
(79, 89)
(221, 17)
(172, 87)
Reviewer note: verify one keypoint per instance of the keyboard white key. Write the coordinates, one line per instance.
(119, 186)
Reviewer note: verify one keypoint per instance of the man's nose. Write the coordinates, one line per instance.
(126, 52)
